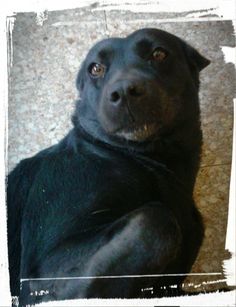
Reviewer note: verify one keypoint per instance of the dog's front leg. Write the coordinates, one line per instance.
(144, 241)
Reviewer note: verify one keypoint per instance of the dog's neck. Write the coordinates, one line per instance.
(179, 151)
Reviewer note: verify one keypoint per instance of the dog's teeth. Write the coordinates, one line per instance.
(138, 133)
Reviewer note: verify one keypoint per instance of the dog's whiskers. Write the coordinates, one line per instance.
(100, 211)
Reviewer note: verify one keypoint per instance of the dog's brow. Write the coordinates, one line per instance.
(105, 53)
(143, 46)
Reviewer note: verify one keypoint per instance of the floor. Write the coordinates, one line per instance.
(42, 92)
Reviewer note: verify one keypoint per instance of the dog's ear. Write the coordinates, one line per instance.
(80, 78)
(194, 58)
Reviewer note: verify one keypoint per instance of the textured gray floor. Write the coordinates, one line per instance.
(42, 93)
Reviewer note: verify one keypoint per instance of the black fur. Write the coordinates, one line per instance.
(106, 201)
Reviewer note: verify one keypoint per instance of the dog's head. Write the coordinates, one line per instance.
(134, 88)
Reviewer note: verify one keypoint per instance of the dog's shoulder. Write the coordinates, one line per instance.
(22, 176)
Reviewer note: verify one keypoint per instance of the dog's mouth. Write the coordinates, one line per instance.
(138, 134)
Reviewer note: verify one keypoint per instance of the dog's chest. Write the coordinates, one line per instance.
(83, 190)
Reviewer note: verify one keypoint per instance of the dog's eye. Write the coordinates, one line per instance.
(159, 54)
(97, 70)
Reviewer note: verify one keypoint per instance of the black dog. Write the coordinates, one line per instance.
(114, 197)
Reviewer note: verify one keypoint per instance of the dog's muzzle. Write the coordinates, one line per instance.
(126, 109)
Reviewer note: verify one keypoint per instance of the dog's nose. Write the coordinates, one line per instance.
(128, 90)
